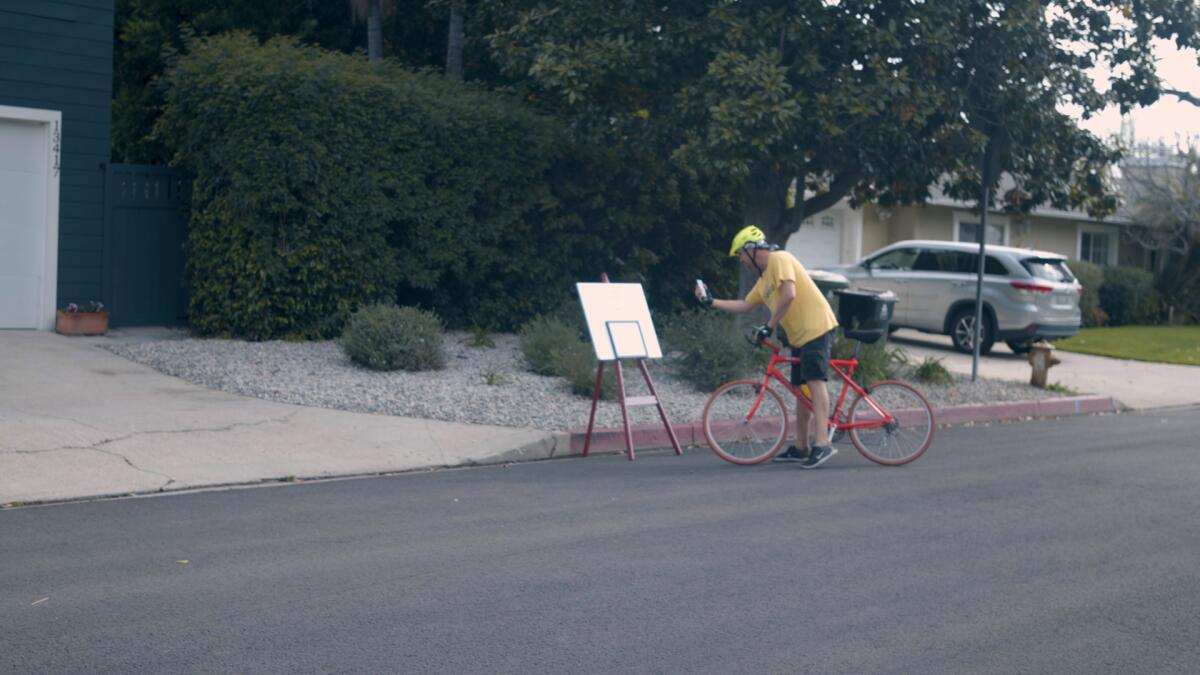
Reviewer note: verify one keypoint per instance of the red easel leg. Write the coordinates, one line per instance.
(658, 403)
(587, 440)
(624, 411)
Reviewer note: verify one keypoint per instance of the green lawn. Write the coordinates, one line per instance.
(1164, 344)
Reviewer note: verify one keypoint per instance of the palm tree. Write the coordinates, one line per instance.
(454, 40)
(373, 11)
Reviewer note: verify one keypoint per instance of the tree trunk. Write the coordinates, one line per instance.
(763, 205)
(454, 41)
(374, 30)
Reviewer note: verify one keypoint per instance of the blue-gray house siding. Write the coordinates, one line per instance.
(57, 55)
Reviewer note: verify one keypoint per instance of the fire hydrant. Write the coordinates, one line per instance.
(1042, 358)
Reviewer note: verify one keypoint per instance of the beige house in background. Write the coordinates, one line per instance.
(843, 236)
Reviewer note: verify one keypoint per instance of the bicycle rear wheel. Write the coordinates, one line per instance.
(899, 441)
(738, 431)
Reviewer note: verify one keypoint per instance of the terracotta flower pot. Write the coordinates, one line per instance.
(81, 323)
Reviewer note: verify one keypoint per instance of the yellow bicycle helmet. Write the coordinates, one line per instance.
(747, 235)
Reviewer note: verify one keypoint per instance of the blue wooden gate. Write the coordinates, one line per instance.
(145, 226)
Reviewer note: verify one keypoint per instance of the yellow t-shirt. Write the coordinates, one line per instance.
(810, 315)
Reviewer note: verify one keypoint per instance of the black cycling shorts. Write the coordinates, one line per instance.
(814, 358)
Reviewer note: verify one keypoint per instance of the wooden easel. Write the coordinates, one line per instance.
(626, 402)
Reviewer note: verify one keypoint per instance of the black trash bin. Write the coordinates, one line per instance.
(864, 313)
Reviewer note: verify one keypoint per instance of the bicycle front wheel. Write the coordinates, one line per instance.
(741, 425)
(903, 438)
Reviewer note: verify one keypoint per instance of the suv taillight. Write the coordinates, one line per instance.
(1031, 288)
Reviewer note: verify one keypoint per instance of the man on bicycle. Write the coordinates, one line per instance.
(797, 304)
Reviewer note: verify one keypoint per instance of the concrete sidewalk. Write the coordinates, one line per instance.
(1136, 384)
(78, 421)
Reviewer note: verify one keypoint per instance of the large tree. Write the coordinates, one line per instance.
(874, 100)
(1162, 186)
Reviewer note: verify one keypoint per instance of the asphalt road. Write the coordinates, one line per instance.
(1068, 546)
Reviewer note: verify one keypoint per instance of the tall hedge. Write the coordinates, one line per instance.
(324, 182)
(1128, 296)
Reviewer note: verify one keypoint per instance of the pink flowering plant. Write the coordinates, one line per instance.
(92, 306)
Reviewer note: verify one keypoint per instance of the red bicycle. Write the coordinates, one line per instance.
(890, 422)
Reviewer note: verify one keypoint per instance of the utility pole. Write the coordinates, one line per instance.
(984, 203)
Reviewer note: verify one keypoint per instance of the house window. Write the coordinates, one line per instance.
(969, 232)
(1095, 247)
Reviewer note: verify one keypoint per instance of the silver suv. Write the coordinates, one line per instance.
(1027, 295)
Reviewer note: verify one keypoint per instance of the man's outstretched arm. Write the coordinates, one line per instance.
(734, 306)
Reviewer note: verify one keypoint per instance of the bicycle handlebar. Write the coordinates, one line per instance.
(756, 343)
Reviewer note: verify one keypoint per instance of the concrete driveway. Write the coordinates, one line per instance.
(78, 421)
(1136, 384)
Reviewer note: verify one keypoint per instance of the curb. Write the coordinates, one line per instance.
(654, 436)
(552, 446)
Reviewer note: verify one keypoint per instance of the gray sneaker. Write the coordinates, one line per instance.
(792, 454)
(820, 455)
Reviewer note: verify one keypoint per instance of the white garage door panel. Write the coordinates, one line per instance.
(21, 205)
(818, 242)
(22, 222)
(16, 310)
(23, 145)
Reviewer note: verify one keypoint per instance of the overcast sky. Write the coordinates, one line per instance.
(1169, 115)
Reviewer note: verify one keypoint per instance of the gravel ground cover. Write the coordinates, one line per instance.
(478, 385)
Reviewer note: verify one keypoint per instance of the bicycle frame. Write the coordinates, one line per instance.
(844, 368)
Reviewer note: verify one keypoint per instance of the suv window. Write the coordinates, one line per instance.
(1050, 269)
(958, 262)
(929, 261)
(900, 259)
(994, 266)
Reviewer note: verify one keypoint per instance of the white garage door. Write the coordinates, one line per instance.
(22, 221)
(818, 242)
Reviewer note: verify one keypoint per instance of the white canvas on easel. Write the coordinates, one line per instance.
(618, 321)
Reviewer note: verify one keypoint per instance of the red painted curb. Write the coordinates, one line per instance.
(644, 436)
(653, 436)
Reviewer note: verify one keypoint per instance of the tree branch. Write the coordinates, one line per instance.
(1183, 96)
(818, 203)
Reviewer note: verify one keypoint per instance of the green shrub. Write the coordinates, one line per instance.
(1126, 294)
(480, 337)
(576, 363)
(707, 348)
(1091, 277)
(876, 362)
(931, 371)
(1062, 389)
(552, 346)
(541, 339)
(386, 337)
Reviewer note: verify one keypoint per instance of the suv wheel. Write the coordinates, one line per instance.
(1019, 346)
(962, 332)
